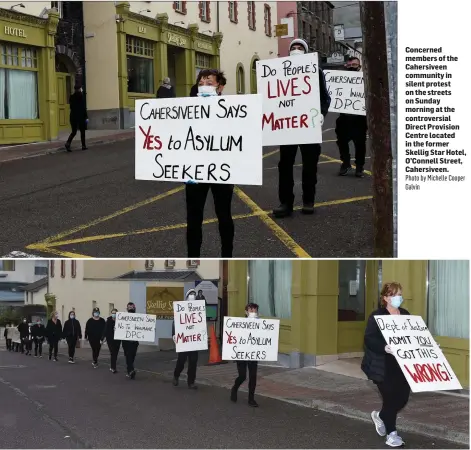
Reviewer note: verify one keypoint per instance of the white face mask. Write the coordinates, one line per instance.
(207, 91)
(191, 298)
(253, 315)
(296, 52)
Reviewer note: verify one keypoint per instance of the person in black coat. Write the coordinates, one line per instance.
(381, 367)
(94, 332)
(23, 328)
(113, 344)
(7, 339)
(54, 334)
(166, 90)
(38, 332)
(310, 154)
(130, 348)
(72, 333)
(78, 117)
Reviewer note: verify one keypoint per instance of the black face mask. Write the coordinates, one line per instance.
(353, 69)
(132, 310)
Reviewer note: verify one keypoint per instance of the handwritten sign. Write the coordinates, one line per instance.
(206, 140)
(291, 102)
(420, 358)
(347, 92)
(247, 339)
(190, 326)
(135, 327)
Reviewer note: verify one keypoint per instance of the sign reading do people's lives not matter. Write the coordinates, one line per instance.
(191, 332)
(135, 327)
(201, 139)
(347, 92)
(419, 356)
(247, 339)
(291, 101)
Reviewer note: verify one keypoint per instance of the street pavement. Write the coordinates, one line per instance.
(59, 405)
(88, 204)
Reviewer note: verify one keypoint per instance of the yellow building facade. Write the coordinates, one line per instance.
(323, 306)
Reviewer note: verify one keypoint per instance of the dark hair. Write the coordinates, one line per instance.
(251, 306)
(353, 58)
(96, 309)
(205, 73)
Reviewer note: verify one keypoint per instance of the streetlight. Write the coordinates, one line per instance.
(18, 4)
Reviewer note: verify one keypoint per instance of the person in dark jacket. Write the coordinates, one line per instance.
(192, 357)
(94, 332)
(381, 367)
(23, 328)
(352, 127)
(38, 332)
(310, 154)
(166, 90)
(72, 333)
(113, 344)
(7, 339)
(78, 117)
(130, 348)
(54, 334)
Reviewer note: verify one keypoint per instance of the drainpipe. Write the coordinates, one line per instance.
(217, 17)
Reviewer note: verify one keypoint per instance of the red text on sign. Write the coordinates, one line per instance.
(289, 88)
(151, 142)
(191, 338)
(191, 318)
(426, 373)
(285, 123)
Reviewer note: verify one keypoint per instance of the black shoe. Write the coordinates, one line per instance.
(50, 357)
(84, 147)
(67, 147)
(55, 359)
(283, 211)
(192, 386)
(308, 208)
(344, 170)
(359, 172)
(233, 395)
(133, 375)
(253, 403)
(175, 381)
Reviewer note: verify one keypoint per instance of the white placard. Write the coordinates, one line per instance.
(135, 327)
(203, 139)
(347, 92)
(421, 360)
(191, 332)
(247, 339)
(291, 102)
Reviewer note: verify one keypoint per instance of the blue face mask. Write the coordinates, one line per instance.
(72, 317)
(96, 314)
(113, 316)
(396, 301)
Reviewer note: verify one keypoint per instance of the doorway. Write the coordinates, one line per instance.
(64, 90)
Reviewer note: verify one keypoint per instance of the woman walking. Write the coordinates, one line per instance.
(94, 333)
(78, 117)
(54, 334)
(113, 345)
(72, 333)
(381, 367)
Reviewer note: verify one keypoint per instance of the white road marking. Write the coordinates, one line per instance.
(18, 254)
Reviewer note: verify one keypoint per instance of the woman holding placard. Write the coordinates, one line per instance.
(381, 367)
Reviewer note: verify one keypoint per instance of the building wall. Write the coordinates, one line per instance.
(36, 298)
(23, 273)
(288, 11)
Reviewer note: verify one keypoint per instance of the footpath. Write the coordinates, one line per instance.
(437, 415)
(94, 137)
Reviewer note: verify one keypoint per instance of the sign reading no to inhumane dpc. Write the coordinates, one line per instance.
(200, 139)
(347, 92)
(135, 327)
(420, 358)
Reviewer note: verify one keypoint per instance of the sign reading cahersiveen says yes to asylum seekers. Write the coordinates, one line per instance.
(420, 358)
(202, 139)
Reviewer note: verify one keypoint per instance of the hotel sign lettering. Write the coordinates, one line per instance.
(176, 39)
(142, 30)
(204, 45)
(18, 32)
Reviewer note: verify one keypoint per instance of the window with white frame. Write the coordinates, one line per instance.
(269, 285)
(251, 14)
(233, 11)
(58, 7)
(41, 267)
(448, 298)
(267, 19)
(204, 11)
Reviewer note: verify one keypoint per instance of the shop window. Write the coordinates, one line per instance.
(205, 11)
(203, 61)
(140, 65)
(267, 19)
(7, 265)
(233, 11)
(352, 291)
(18, 83)
(251, 15)
(240, 79)
(448, 298)
(269, 285)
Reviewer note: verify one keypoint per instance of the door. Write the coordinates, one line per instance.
(63, 94)
(358, 295)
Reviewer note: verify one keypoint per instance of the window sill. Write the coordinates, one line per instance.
(21, 122)
(206, 20)
(183, 13)
(234, 21)
(252, 28)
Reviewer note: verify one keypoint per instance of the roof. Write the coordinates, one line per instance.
(36, 286)
(162, 275)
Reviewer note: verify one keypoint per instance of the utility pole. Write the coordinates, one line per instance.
(375, 70)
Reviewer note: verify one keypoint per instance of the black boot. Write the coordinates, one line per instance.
(283, 211)
(308, 208)
(253, 403)
(234, 395)
(67, 146)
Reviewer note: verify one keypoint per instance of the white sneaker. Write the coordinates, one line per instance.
(379, 424)
(393, 440)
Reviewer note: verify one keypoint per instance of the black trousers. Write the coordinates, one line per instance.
(130, 350)
(72, 342)
(53, 347)
(9, 346)
(77, 125)
(28, 344)
(96, 347)
(310, 154)
(113, 347)
(38, 347)
(242, 367)
(192, 364)
(195, 200)
(351, 128)
(395, 394)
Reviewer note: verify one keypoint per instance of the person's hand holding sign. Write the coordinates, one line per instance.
(174, 339)
(389, 349)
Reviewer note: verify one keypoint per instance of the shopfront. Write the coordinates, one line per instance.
(27, 78)
(323, 305)
(150, 50)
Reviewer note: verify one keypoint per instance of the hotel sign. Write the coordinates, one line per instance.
(204, 45)
(176, 39)
(18, 32)
(142, 30)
